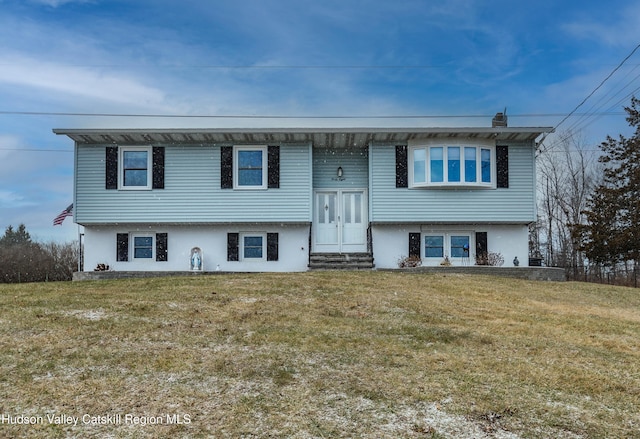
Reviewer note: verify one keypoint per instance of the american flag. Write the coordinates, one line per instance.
(65, 213)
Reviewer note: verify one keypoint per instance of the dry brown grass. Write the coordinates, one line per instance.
(323, 354)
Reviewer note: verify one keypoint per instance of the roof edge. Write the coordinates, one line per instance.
(299, 130)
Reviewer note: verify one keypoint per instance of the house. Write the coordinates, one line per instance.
(284, 199)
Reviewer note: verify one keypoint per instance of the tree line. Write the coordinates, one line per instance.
(24, 260)
(589, 206)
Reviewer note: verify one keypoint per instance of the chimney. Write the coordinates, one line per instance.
(499, 120)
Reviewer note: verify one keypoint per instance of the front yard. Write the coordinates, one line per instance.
(320, 354)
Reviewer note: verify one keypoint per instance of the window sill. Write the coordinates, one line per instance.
(250, 188)
(454, 186)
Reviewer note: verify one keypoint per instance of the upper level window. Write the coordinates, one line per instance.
(452, 165)
(135, 168)
(250, 167)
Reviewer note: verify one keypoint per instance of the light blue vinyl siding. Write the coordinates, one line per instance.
(192, 191)
(515, 204)
(354, 163)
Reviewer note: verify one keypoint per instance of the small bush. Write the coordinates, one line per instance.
(409, 262)
(491, 258)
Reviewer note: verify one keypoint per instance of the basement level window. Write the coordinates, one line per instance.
(143, 247)
(253, 246)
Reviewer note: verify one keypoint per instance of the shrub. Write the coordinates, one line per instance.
(493, 259)
(409, 262)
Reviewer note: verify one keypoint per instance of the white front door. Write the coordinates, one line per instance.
(340, 221)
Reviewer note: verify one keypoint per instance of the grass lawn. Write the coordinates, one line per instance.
(320, 355)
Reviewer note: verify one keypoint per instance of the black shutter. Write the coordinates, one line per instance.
(402, 171)
(226, 167)
(502, 166)
(481, 246)
(162, 249)
(233, 252)
(414, 245)
(272, 246)
(111, 167)
(122, 247)
(158, 167)
(273, 164)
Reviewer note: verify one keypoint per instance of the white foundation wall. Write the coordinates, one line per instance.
(391, 242)
(293, 240)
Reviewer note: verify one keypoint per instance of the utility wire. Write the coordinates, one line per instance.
(254, 116)
(262, 67)
(36, 149)
(592, 113)
(590, 94)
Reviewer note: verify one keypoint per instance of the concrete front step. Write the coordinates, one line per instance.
(333, 261)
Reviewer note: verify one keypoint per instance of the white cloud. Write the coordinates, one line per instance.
(79, 81)
(620, 31)
(10, 199)
(56, 3)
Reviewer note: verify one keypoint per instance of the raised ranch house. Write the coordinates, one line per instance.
(289, 199)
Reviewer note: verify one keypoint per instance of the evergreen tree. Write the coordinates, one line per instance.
(15, 237)
(612, 233)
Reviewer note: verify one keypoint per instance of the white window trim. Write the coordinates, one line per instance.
(236, 162)
(121, 152)
(447, 184)
(132, 250)
(243, 235)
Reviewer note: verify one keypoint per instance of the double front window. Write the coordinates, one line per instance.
(454, 245)
(452, 165)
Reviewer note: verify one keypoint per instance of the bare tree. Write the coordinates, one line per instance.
(568, 173)
(24, 260)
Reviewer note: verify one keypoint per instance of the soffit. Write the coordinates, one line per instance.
(326, 137)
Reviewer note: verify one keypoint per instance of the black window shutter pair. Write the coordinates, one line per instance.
(233, 246)
(502, 166)
(111, 163)
(122, 247)
(273, 167)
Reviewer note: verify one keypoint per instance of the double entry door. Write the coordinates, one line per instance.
(340, 221)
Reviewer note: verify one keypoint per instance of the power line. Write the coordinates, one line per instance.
(602, 103)
(264, 66)
(256, 116)
(592, 93)
(36, 149)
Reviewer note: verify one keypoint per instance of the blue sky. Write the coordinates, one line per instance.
(458, 58)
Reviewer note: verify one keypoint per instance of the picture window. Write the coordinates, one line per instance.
(455, 165)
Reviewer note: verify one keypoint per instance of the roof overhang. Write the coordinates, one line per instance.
(322, 137)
